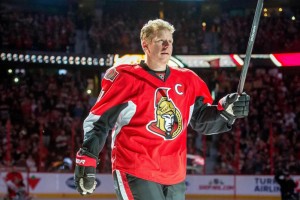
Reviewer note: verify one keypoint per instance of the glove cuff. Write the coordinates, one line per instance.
(227, 117)
(84, 159)
(221, 103)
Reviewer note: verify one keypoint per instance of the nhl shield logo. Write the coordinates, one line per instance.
(111, 74)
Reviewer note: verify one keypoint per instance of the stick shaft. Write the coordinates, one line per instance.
(252, 36)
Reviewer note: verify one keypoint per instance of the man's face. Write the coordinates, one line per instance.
(160, 48)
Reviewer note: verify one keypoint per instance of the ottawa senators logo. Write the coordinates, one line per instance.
(168, 119)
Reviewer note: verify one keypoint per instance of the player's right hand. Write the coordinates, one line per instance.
(85, 172)
(235, 106)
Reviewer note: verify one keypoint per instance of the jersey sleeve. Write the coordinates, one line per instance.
(206, 118)
(117, 91)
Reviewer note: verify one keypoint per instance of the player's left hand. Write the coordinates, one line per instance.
(234, 106)
(85, 172)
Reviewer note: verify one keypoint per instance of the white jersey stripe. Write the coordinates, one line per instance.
(123, 119)
(191, 113)
(88, 123)
(121, 185)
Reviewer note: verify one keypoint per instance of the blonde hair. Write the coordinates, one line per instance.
(152, 26)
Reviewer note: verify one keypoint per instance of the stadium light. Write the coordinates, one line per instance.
(52, 59)
(46, 59)
(58, 59)
(16, 79)
(65, 60)
(95, 61)
(3, 56)
(101, 62)
(21, 58)
(27, 58)
(9, 56)
(40, 59)
(89, 61)
(83, 60)
(77, 60)
(106, 60)
(15, 57)
(33, 58)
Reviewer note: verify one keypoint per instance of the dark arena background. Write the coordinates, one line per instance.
(54, 54)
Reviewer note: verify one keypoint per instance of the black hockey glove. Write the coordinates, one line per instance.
(85, 172)
(234, 106)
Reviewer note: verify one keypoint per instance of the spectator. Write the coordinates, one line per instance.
(287, 185)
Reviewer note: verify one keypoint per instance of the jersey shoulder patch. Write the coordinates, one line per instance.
(111, 74)
(114, 71)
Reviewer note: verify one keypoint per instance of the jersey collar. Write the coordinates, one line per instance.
(153, 72)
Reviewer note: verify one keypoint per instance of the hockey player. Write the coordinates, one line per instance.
(15, 186)
(148, 107)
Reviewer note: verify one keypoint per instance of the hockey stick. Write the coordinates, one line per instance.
(252, 36)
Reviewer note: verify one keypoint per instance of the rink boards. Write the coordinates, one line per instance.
(58, 185)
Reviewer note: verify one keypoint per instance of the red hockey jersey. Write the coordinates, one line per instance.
(148, 117)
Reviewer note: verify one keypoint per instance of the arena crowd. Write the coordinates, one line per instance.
(117, 31)
(44, 110)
